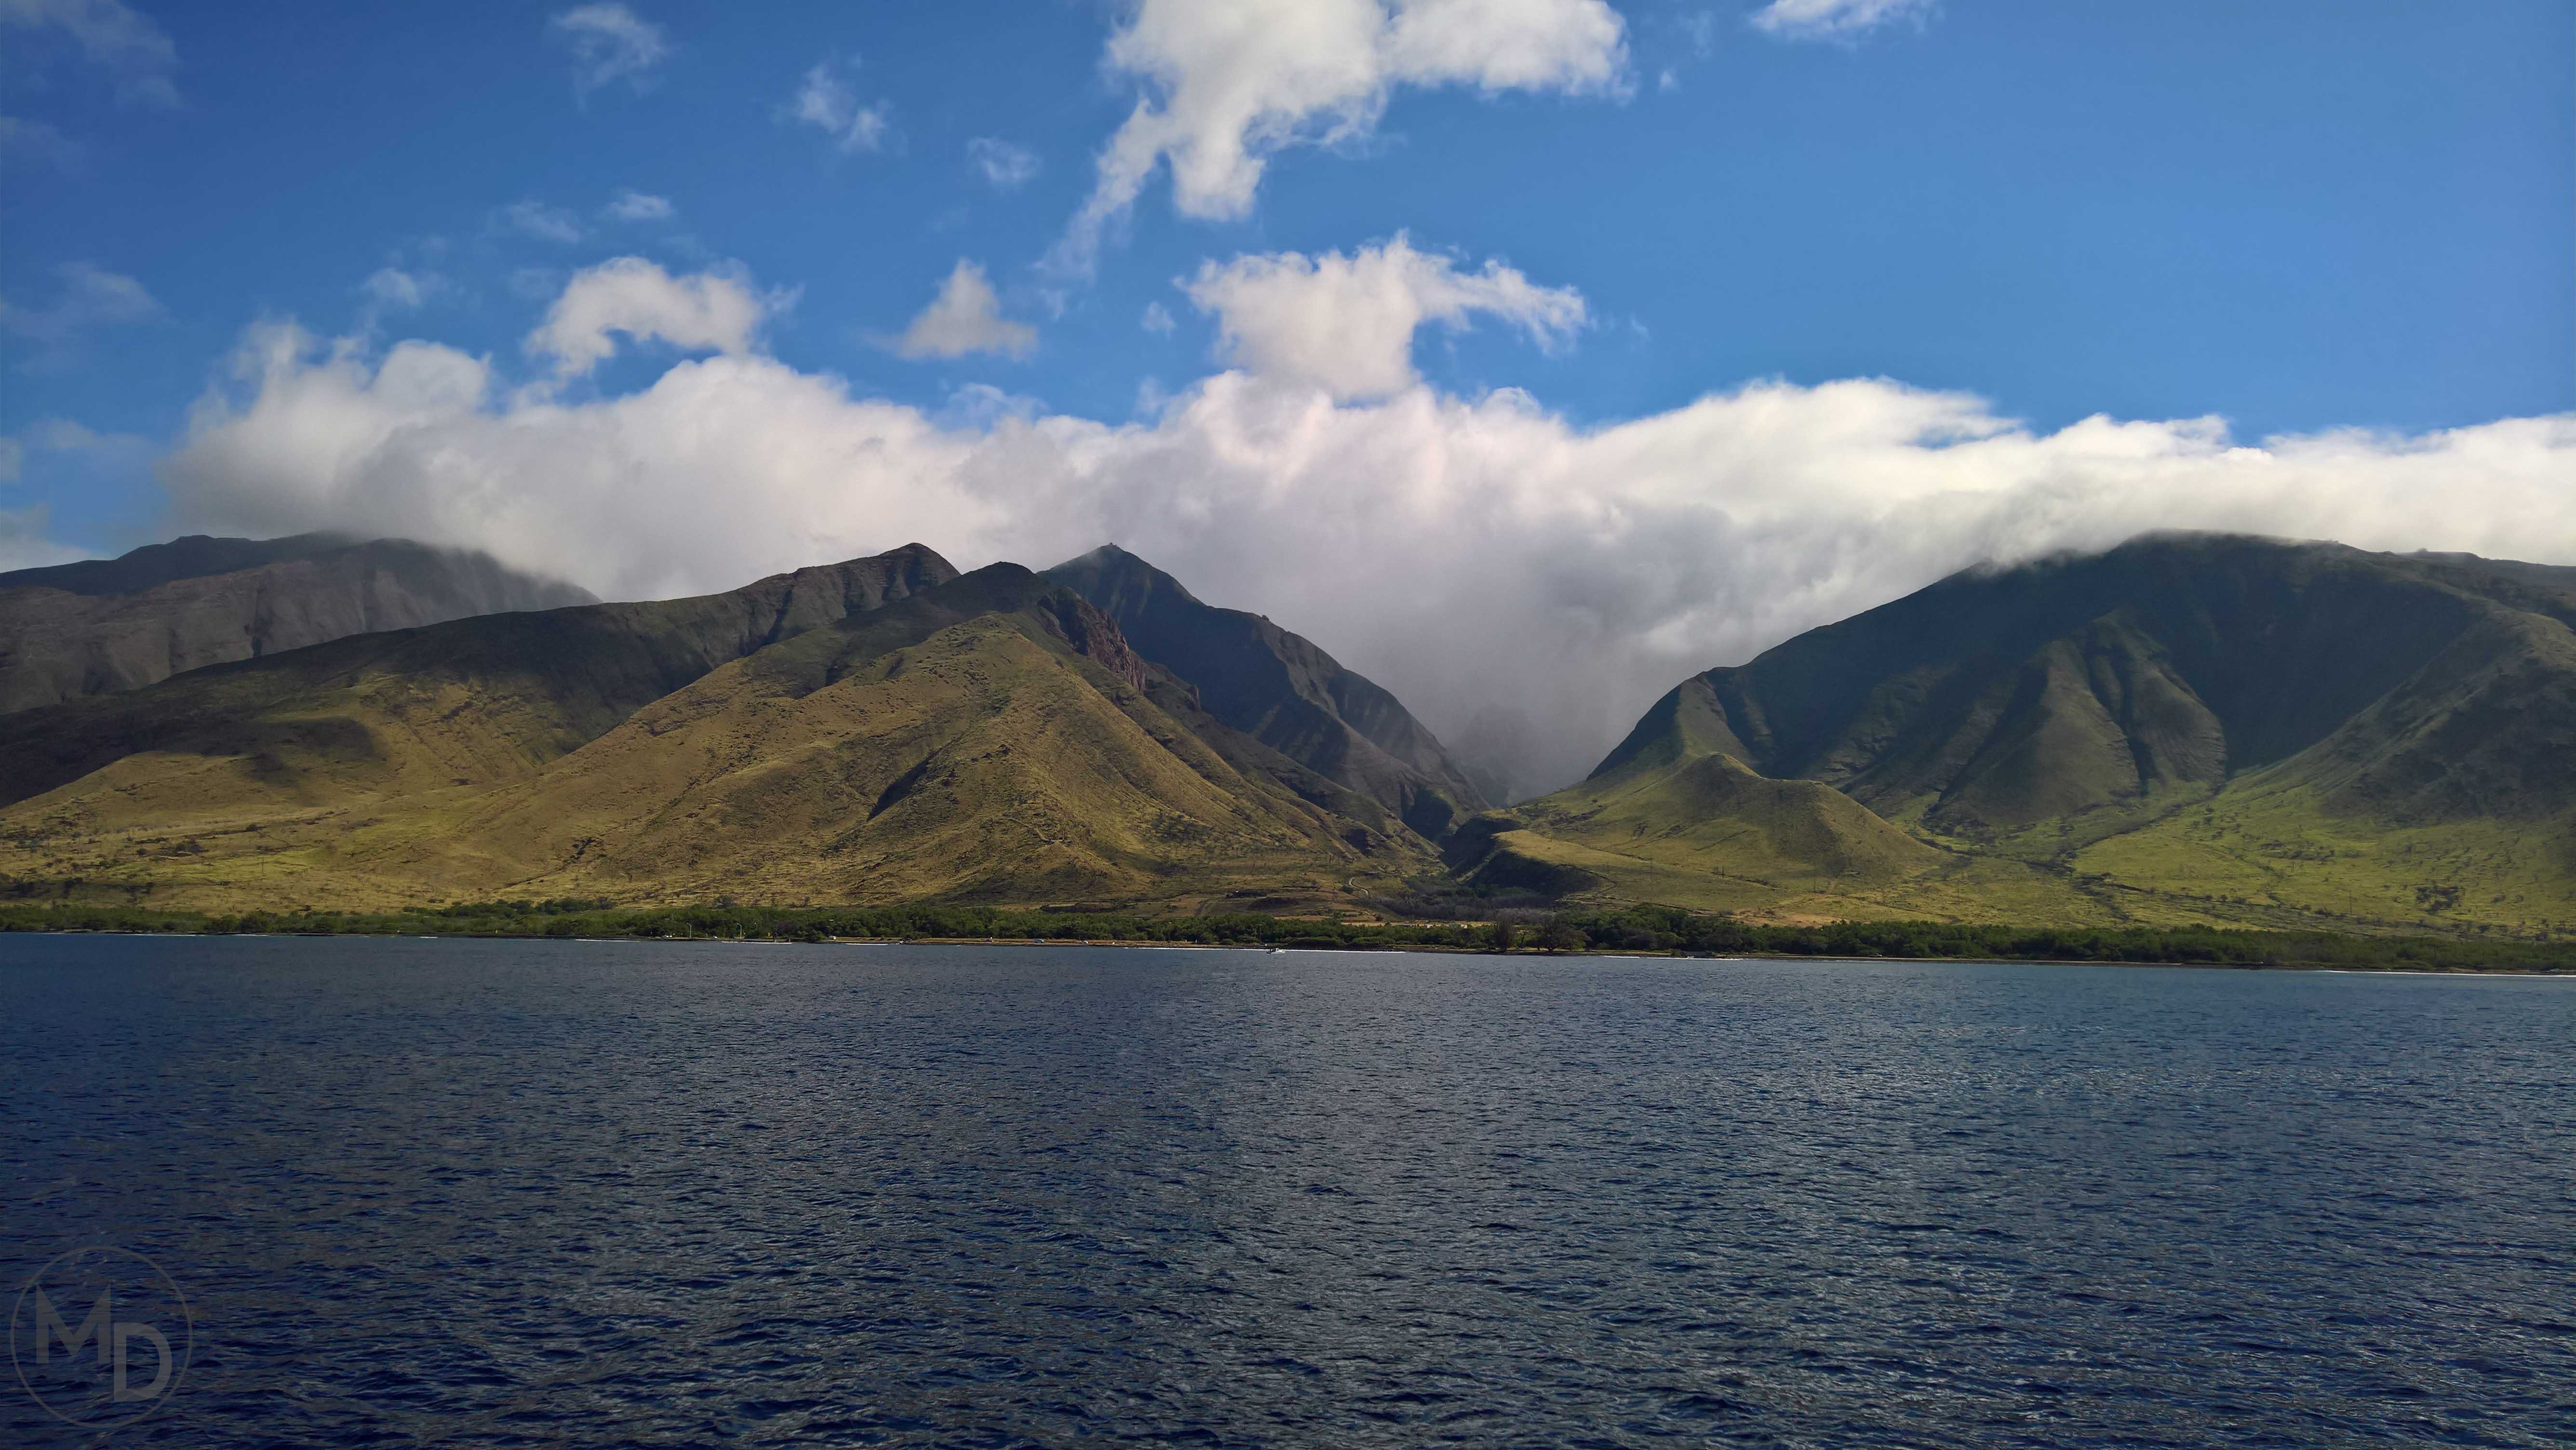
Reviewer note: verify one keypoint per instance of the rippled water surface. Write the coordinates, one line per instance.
(486, 1193)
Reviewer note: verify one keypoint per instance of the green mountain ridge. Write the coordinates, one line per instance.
(875, 731)
(2179, 732)
(2185, 727)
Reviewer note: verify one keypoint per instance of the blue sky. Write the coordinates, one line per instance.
(2298, 217)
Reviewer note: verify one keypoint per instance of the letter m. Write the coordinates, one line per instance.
(50, 1327)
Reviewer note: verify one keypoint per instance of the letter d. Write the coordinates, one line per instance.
(126, 1334)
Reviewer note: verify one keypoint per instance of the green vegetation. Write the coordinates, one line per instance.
(2288, 742)
(1646, 930)
(986, 738)
(2185, 731)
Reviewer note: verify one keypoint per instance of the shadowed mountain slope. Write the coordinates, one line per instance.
(1281, 689)
(2317, 729)
(103, 626)
(471, 700)
(877, 731)
(1998, 698)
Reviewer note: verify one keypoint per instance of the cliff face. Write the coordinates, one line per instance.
(105, 626)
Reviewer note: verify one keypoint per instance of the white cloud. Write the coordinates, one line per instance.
(706, 312)
(111, 36)
(636, 206)
(538, 220)
(1228, 82)
(610, 43)
(1346, 324)
(828, 102)
(964, 318)
(1834, 19)
(1461, 551)
(1005, 166)
(1157, 319)
(92, 297)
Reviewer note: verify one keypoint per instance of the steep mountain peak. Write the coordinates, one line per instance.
(1111, 573)
(1281, 689)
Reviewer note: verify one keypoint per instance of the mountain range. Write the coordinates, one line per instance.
(2183, 729)
(880, 730)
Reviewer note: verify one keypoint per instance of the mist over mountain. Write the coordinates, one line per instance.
(106, 625)
(1440, 544)
(2182, 729)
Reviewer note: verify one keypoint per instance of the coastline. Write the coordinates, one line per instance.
(2565, 967)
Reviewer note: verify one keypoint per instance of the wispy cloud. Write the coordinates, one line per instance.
(829, 103)
(536, 219)
(111, 35)
(1005, 166)
(1835, 19)
(610, 43)
(636, 206)
(25, 142)
(91, 298)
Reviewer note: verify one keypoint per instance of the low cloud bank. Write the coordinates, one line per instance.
(1525, 584)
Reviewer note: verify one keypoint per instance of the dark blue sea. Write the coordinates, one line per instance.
(519, 1193)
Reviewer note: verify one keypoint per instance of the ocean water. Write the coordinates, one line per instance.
(502, 1193)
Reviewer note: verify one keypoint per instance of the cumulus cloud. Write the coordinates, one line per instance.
(635, 206)
(964, 318)
(91, 297)
(110, 35)
(829, 103)
(1834, 19)
(1228, 82)
(1005, 166)
(710, 311)
(1157, 319)
(610, 43)
(1346, 324)
(1480, 556)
